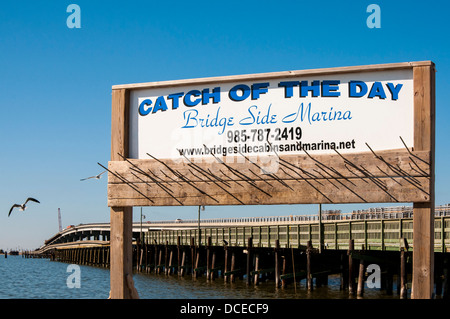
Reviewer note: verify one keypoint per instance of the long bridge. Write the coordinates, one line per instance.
(224, 245)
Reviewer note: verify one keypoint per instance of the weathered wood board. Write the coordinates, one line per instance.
(394, 176)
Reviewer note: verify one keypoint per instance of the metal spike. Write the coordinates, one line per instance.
(126, 182)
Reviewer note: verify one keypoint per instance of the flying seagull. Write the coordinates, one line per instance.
(96, 176)
(23, 206)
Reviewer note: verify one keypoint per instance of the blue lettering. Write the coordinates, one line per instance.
(257, 118)
(187, 98)
(330, 87)
(377, 90)
(394, 90)
(187, 117)
(352, 88)
(160, 105)
(288, 87)
(287, 118)
(215, 95)
(240, 87)
(249, 120)
(302, 114)
(142, 110)
(259, 88)
(175, 97)
(314, 88)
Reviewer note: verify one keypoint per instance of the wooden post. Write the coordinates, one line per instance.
(423, 213)
(197, 260)
(156, 259)
(293, 268)
(225, 277)
(256, 276)
(351, 278)
(121, 264)
(166, 255)
(141, 258)
(403, 275)
(192, 256)
(178, 255)
(360, 289)
(213, 264)
(169, 270)
(249, 259)
(183, 259)
(208, 258)
(233, 261)
(283, 272)
(277, 264)
(309, 279)
(158, 266)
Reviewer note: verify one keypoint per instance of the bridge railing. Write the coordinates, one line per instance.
(327, 215)
(377, 234)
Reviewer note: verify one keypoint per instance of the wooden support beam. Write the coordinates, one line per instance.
(121, 264)
(423, 212)
(145, 191)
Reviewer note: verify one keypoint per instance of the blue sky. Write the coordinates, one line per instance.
(55, 84)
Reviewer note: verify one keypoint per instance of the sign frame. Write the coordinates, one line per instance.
(423, 150)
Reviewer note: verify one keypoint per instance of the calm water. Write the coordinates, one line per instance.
(22, 278)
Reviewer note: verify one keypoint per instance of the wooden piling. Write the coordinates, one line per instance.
(233, 264)
(169, 270)
(309, 279)
(192, 246)
(213, 264)
(283, 272)
(183, 265)
(256, 276)
(351, 278)
(208, 252)
(156, 259)
(197, 260)
(166, 256)
(225, 277)
(277, 263)
(403, 275)
(178, 255)
(360, 289)
(249, 259)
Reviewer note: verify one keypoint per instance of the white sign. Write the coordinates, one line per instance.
(317, 114)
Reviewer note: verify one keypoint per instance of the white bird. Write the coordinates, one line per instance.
(96, 176)
(23, 206)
